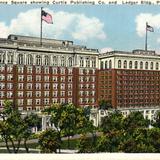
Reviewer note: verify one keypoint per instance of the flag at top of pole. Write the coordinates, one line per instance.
(46, 17)
(149, 28)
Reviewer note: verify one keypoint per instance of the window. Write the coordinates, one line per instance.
(29, 78)
(2, 58)
(29, 85)
(87, 62)
(9, 77)
(63, 79)
(55, 86)
(20, 94)
(20, 59)
(94, 63)
(55, 61)
(38, 94)
(46, 60)
(101, 64)
(38, 69)
(9, 86)
(46, 93)
(20, 69)
(157, 66)
(2, 77)
(38, 101)
(46, 78)
(151, 67)
(70, 62)
(10, 58)
(46, 70)
(29, 59)
(29, 101)
(81, 62)
(9, 68)
(38, 78)
(110, 64)
(54, 70)
(62, 70)
(38, 86)
(29, 93)
(106, 64)
(62, 86)
(135, 64)
(29, 69)
(2, 85)
(141, 65)
(20, 102)
(38, 60)
(46, 101)
(146, 65)
(70, 71)
(46, 86)
(130, 64)
(125, 64)
(55, 93)
(62, 61)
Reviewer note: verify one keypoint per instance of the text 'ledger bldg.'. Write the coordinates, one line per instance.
(35, 76)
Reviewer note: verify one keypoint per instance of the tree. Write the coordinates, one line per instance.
(86, 144)
(137, 142)
(14, 128)
(68, 120)
(112, 122)
(104, 104)
(49, 141)
(30, 121)
(135, 120)
(156, 123)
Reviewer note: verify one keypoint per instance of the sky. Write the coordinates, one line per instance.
(103, 27)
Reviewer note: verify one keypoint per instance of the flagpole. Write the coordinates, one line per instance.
(41, 28)
(146, 38)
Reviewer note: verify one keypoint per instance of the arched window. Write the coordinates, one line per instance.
(87, 62)
(151, 67)
(81, 62)
(106, 64)
(29, 59)
(70, 62)
(10, 58)
(62, 61)
(125, 64)
(101, 64)
(119, 64)
(38, 60)
(110, 64)
(157, 66)
(55, 61)
(135, 64)
(46, 60)
(20, 59)
(141, 65)
(146, 65)
(130, 64)
(93, 62)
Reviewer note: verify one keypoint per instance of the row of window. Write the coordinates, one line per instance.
(47, 60)
(37, 86)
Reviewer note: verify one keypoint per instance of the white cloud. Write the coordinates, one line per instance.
(78, 26)
(141, 19)
(107, 49)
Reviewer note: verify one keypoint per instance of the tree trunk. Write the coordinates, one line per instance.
(8, 149)
(68, 142)
(25, 145)
(18, 145)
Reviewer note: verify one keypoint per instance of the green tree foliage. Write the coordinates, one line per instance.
(49, 141)
(69, 120)
(156, 123)
(138, 142)
(135, 120)
(104, 104)
(112, 122)
(87, 144)
(13, 128)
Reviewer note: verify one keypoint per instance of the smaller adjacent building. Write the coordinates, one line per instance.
(98, 114)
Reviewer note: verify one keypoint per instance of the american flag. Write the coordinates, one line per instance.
(46, 17)
(149, 28)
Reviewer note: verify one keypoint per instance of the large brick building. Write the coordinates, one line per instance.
(35, 76)
(130, 79)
